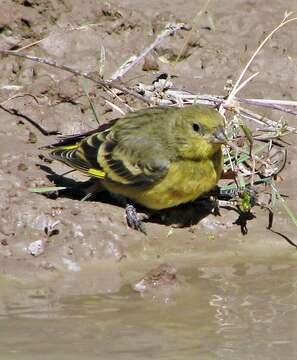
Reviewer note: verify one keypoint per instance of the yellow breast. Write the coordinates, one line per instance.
(185, 181)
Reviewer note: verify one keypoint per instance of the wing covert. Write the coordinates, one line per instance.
(123, 166)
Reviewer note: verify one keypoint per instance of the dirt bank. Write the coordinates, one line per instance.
(91, 249)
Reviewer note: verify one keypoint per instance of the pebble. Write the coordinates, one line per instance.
(36, 248)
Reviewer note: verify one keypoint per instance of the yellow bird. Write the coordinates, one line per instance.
(157, 157)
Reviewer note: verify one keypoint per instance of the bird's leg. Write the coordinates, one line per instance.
(215, 206)
(133, 219)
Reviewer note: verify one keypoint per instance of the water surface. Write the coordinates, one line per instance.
(243, 311)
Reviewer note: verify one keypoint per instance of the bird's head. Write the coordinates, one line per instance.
(200, 132)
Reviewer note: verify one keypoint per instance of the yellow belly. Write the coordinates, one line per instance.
(185, 181)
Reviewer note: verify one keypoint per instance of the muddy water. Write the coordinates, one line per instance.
(244, 311)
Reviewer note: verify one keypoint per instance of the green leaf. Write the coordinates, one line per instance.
(86, 197)
(234, 186)
(86, 91)
(285, 205)
(243, 157)
(47, 189)
(102, 62)
(247, 132)
(241, 181)
(245, 202)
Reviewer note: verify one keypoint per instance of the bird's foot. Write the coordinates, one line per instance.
(133, 219)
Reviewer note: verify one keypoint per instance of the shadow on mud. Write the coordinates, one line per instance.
(184, 215)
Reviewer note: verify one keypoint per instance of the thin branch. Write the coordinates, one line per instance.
(195, 22)
(284, 22)
(244, 83)
(134, 60)
(264, 120)
(107, 84)
(31, 121)
(28, 45)
(268, 104)
(20, 95)
(274, 101)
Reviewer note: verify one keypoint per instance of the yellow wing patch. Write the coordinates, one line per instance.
(69, 147)
(96, 173)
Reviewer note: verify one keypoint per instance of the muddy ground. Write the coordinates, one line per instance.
(92, 249)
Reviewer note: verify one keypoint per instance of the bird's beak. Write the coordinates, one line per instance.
(218, 136)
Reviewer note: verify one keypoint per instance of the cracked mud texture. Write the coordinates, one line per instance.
(92, 250)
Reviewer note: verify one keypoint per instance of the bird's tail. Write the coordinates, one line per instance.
(77, 154)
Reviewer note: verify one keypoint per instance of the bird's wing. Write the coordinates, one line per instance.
(80, 151)
(126, 166)
(103, 154)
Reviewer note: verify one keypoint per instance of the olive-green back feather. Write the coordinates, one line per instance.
(139, 148)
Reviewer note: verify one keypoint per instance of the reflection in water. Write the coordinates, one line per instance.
(231, 312)
(255, 312)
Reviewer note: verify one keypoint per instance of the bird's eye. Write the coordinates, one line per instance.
(196, 127)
